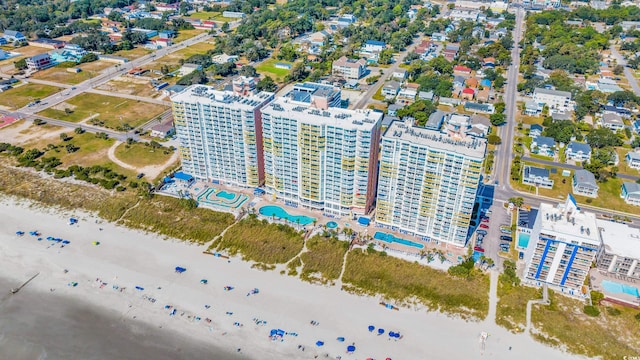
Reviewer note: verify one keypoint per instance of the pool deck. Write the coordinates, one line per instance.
(597, 276)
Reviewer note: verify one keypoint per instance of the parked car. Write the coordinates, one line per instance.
(506, 238)
(521, 255)
(485, 220)
(505, 231)
(482, 232)
(484, 226)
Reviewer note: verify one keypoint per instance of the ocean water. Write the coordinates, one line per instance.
(39, 326)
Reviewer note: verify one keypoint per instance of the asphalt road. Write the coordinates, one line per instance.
(627, 71)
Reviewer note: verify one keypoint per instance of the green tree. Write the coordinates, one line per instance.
(494, 139)
(266, 84)
(419, 110)
(561, 131)
(64, 137)
(497, 119)
(20, 64)
(603, 137)
(517, 201)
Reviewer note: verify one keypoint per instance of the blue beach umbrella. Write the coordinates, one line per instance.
(351, 348)
(371, 327)
(341, 339)
(380, 331)
(319, 343)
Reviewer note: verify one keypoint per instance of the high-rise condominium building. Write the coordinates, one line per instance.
(564, 242)
(318, 156)
(220, 132)
(428, 181)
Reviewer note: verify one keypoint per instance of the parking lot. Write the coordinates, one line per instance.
(491, 242)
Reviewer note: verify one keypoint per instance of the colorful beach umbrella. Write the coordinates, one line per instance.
(371, 327)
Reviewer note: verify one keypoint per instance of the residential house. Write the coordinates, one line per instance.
(234, 14)
(163, 42)
(346, 20)
(47, 43)
(349, 68)
(436, 120)
(633, 159)
(478, 108)
(408, 93)
(39, 62)
(391, 89)
(629, 25)
(467, 94)
(163, 130)
(485, 83)
(426, 95)
(173, 89)
(630, 192)
(223, 58)
(543, 145)
(578, 151)
(612, 121)
(532, 108)
(584, 183)
(483, 95)
(608, 86)
(13, 36)
(559, 101)
(636, 126)
(399, 75)
(458, 81)
(437, 36)
(392, 110)
(625, 113)
(606, 74)
(188, 68)
(5, 55)
(535, 130)
(449, 101)
(537, 177)
(489, 62)
(472, 82)
(319, 38)
(374, 46)
(559, 116)
(464, 15)
(481, 124)
(461, 70)
(3, 41)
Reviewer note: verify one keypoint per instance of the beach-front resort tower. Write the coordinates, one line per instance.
(564, 242)
(428, 181)
(319, 156)
(220, 133)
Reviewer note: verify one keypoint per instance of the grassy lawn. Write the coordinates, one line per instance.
(323, 261)
(141, 154)
(261, 241)
(167, 216)
(186, 34)
(511, 311)
(130, 86)
(623, 167)
(61, 75)
(530, 120)
(133, 53)
(22, 95)
(378, 95)
(204, 15)
(268, 67)
(372, 272)
(563, 323)
(113, 111)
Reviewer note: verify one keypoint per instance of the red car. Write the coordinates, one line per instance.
(484, 226)
(485, 220)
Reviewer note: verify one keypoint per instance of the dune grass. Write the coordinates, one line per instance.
(323, 261)
(564, 324)
(511, 311)
(373, 272)
(167, 216)
(261, 241)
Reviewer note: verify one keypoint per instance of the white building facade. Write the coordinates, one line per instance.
(219, 134)
(428, 182)
(320, 157)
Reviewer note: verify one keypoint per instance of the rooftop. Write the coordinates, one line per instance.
(566, 223)
(552, 92)
(620, 239)
(469, 146)
(344, 118)
(203, 94)
(536, 171)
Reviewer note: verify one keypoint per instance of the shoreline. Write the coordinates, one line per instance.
(129, 258)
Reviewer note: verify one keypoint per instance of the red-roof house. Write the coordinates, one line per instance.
(461, 70)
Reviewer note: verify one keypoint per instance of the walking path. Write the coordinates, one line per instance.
(493, 296)
(543, 301)
(150, 171)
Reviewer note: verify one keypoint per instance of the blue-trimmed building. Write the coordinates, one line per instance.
(563, 245)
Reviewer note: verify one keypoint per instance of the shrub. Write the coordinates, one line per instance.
(596, 297)
(637, 316)
(613, 311)
(591, 310)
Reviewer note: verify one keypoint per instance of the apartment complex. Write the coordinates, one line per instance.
(620, 250)
(349, 69)
(220, 133)
(320, 157)
(564, 242)
(428, 181)
(557, 101)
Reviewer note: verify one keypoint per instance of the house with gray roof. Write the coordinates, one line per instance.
(479, 108)
(12, 36)
(555, 100)
(584, 183)
(578, 151)
(630, 192)
(633, 159)
(535, 130)
(612, 121)
(532, 108)
(390, 89)
(392, 110)
(435, 120)
(543, 145)
(536, 176)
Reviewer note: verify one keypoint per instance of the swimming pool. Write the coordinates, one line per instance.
(332, 224)
(226, 195)
(617, 288)
(523, 240)
(389, 238)
(280, 213)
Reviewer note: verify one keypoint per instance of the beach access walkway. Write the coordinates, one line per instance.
(543, 301)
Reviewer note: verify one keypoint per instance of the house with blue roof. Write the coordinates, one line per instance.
(485, 83)
(633, 159)
(636, 126)
(578, 151)
(543, 145)
(537, 177)
(535, 130)
(374, 46)
(630, 192)
(13, 36)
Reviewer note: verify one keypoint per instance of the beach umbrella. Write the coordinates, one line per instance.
(391, 333)
(351, 348)
(380, 331)
(371, 327)
(396, 335)
(319, 343)
(341, 339)
(66, 242)
(139, 288)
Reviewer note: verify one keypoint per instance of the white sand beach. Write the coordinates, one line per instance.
(126, 259)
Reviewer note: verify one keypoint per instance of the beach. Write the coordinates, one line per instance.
(84, 304)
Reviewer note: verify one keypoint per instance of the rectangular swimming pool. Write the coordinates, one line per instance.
(389, 238)
(617, 288)
(523, 240)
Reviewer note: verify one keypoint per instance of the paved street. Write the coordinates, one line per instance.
(627, 71)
